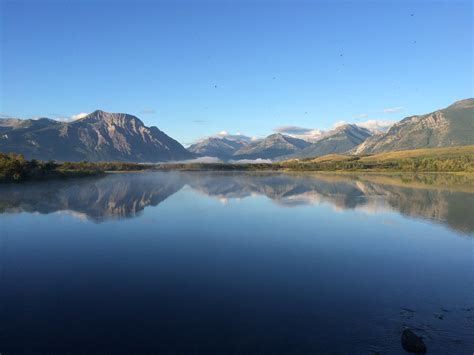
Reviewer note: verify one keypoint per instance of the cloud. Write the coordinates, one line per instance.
(251, 161)
(308, 134)
(291, 130)
(393, 109)
(206, 160)
(339, 124)
(78, 116)
(148, 111)
(71, 118)
(314, 135)
(237, 136)
(376, 126)
(198, 121)
(362, 115)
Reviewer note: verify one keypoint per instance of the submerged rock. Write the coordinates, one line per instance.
(412, 342)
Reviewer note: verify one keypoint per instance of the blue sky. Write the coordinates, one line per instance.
(194, 68)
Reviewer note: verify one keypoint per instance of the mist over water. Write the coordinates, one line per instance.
(236, 262)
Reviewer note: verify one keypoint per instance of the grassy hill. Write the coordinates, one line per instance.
(427, 159)
(402, 154)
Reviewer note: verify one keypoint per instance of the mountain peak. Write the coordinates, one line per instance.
(276, 136)
(120, 119)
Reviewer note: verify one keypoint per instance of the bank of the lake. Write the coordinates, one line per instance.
(14, 168)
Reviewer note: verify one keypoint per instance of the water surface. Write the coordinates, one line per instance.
(236, 263)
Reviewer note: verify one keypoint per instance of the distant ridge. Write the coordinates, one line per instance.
(339, 140)
(275, 145)
(220, 147)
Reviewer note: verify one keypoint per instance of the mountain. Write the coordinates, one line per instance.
(452, 126)
(99, 136)
(339, 140)
(272, 147)
(220, 147)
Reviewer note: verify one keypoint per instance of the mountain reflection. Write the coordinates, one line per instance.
(112, 197)
(442, 199)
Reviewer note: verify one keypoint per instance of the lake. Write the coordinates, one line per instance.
(206, 262)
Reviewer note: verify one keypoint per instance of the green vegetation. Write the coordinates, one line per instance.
(14, 168)
(105, 166)
(428, 164)
(454, 159)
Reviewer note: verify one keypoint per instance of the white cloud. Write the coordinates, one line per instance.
(362, 115)
(393, 109)
(313, 134)
(251, 161)
(72, 118)
(339, 124)
(376, 126)
(206, 160)
(223, 200)
(223, 133)
(291, 130)
(79, 116)
(307, 134)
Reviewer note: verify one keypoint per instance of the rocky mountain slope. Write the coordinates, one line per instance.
(220, 147)
(100, 136)
(452, 126)
(339, 140)
(271, 147)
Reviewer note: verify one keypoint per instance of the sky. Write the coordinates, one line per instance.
(195, 68)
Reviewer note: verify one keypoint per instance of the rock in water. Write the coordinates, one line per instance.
(412, 342)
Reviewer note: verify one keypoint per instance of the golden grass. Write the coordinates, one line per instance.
(396, 155)
(420, 153)
(330, 157)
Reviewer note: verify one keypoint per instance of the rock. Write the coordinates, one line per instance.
(412, 342)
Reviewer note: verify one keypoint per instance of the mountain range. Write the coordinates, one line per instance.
(280, 146)
(103, 136)
(452, 126)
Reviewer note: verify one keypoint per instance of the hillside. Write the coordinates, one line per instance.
(273, 146)
(219, 147)
(452, 126)
(339, 140)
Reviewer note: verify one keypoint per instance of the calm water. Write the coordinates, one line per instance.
(236, 263)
